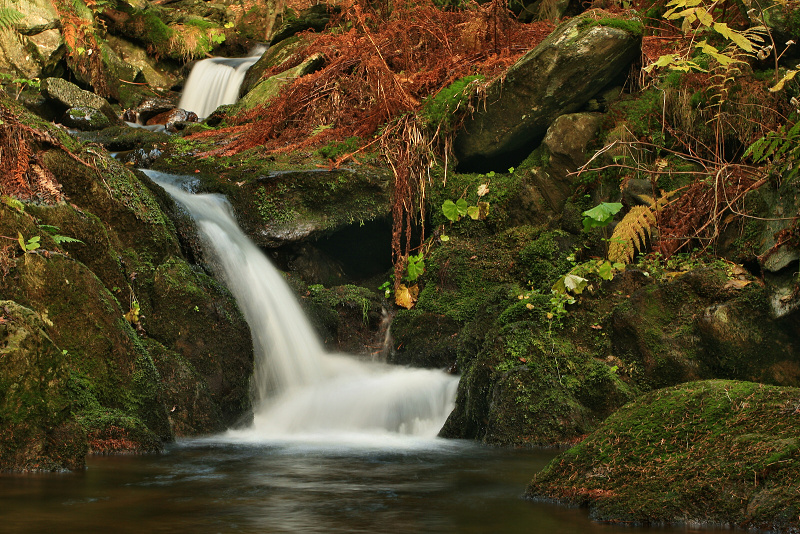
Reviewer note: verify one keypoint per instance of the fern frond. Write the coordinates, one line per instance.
(8, 17)
(59, 239)
(631, 234)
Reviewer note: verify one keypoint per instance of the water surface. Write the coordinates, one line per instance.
(209, 486)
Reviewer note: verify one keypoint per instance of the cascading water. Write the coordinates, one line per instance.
(302, 391)
(214, 82)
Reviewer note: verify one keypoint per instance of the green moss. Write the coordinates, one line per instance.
(443, 107)
(335, 149)
(663, 458)
(634, 27)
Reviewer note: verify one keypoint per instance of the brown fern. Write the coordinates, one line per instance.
(631, 234)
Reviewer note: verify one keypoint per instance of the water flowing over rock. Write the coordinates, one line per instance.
(300, 389)
(559, 76)
(214, 82)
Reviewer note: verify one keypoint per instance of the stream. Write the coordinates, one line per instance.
(218, 485)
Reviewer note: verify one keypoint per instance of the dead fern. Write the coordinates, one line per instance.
(23, 174)
(631, 234)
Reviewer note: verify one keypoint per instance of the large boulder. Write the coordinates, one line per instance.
(69, 95)
(579, 59)
(718, 452)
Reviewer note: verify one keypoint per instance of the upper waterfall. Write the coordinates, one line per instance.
(300, 389)
(215, 82)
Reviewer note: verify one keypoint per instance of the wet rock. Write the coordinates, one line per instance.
(173, 120)
(151, 107)
(559, 76)
(662, 331)
(274, 56)
(34, 403)
(85, 118)
(157, 75)
(70, 95)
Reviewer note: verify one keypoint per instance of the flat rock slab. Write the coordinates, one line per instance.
(578, 60)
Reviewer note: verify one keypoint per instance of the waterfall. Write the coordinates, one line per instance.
(301, 390)
(215, 82)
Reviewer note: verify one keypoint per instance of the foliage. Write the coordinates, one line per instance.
(601, 215)
(30, 245)
(442, 109)
(9, 17)
(781, 149)
(415, 267)
(631, 234)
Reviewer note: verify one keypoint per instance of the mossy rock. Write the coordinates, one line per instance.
(190, 404)
(423, 339)
(696, 326)
(349, 318)
(710, 453)
(37, 432)
(197, 316)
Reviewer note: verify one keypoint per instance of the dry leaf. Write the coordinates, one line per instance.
(736, 284)
(406, 296)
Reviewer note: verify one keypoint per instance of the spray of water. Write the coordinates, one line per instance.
(302, 391)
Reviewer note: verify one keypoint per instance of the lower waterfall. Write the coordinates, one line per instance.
(301, 391)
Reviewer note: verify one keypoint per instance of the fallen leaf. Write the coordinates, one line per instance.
(736, 284)
(406, 296)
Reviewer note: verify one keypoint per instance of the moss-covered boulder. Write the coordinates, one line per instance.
(559, 76)
(37, 431)
(703, 325)
(714, 453)
(136, 346)
(68, 95)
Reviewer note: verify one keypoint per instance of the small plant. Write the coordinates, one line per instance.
(30, 245)
(415, 267)
(601, 215)
(461, 208)
(58, 238)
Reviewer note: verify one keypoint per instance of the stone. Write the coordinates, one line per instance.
(70, 95)
(85, 118)
(136, 56)
(268, 89)
(577, 61)
(37, 16)
(566, 143)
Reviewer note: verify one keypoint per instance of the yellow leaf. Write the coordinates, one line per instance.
(704, 17)
(737, 37)
(406, 296)
(778, 86)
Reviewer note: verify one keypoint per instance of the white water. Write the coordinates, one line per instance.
(215, 82)
(302, 392)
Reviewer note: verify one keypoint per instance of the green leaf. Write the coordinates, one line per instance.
(415, 268)
(600, 215)
(450, 210)
(13, 203)
(59, 239)
(474, 212)
(444, 238)
(606, 270)
(462, 206)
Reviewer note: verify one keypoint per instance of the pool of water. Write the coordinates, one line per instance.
(209, 486)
